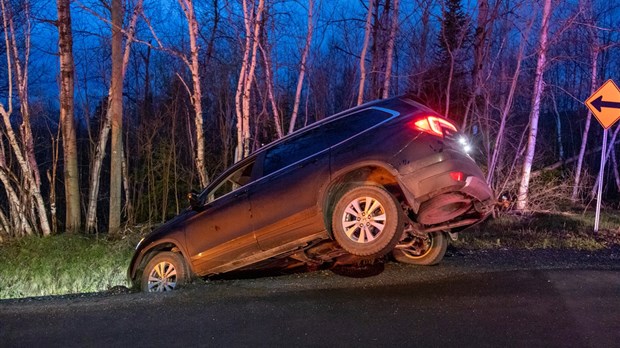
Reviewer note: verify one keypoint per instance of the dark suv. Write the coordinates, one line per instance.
(390, 176)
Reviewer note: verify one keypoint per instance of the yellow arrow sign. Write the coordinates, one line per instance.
(605, 104)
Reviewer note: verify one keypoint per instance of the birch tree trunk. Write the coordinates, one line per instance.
(253, 22)
(535, 112)
(21, 77)
(25, 197)
(367, 28)
(594, 53)
(302, 67)
(67, 122)
(116, 117)
(126, 188)
(196, 96)
(248, 13)
(270, 93)
(97, 161)
(390, 50)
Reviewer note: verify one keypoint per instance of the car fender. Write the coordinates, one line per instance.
(147, 246)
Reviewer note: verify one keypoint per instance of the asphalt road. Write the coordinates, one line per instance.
(528, 299)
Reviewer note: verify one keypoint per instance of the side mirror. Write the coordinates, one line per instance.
(194, 200)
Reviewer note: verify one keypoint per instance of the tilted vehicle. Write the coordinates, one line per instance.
(387, 176)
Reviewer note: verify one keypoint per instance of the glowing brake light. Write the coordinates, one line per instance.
(458, 176)
(433, 125)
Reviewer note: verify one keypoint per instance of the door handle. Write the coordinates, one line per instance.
(303, 164)
(241, 193)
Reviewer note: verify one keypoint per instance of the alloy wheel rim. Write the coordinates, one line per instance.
(363, 220)
(163, 277)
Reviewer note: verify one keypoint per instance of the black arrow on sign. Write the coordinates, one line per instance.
(598, 103)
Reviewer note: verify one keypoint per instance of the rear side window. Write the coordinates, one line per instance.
(318, 139)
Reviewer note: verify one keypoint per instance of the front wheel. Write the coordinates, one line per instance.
(367, 221)
(166, 271)
(424, 250)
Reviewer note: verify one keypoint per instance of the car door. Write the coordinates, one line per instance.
(222, 232)
(284, 201)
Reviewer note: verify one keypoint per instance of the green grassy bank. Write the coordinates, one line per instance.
(62, 264)
(544, 230)
(65, 264)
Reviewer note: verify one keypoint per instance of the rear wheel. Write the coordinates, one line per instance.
(367, 221)
(166, 271)
(425, 250)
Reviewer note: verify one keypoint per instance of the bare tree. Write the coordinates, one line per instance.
(499, 138)
(535, 112)
(453, 37)
(67, 121)
(116, 117)
(367, 29)
(594, 53)
(302, 66)
(482, 42)
(193, 64)
(116, 87)
(196, 95)
(252, 18)
(390, 50)
(266, 54)
(23, 190)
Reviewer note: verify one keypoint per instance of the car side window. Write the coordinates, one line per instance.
(292, 151)
(323, 137)
(232, 182)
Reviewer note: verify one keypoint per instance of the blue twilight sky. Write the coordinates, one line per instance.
(91, 37)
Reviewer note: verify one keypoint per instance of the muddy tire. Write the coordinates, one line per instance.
(166, 271)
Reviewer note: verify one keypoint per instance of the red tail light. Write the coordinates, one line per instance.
(433, 125)
(458, 176)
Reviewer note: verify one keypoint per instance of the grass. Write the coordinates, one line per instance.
(62, 264)
(544, 230)
(66, 264)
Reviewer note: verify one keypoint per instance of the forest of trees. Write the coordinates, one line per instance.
(113, 110)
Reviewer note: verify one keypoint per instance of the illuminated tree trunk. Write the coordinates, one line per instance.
(360, 92)
(96, 163)
(302, 68)
(196, 96)
(22, 189)
(116, 117)
(253, 21)
(270, 93)
(535, 112)
(67, 122)
(390, 50)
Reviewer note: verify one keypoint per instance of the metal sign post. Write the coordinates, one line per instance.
(605, 106)
(601, 173)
